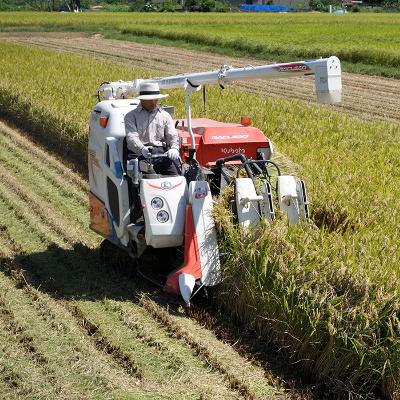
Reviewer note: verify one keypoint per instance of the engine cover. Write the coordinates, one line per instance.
(216, 140)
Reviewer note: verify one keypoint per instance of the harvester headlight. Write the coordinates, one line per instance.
(162, 216)
(157, 203)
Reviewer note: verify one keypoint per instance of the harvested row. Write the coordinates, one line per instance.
(54, 332)
(82, 326)
(368, 97)
(160, 363)
(58, 223)
(63, 361)
(220, 356)
(39, 160)
(56, 189)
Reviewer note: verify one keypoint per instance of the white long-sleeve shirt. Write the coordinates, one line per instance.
(150, 129)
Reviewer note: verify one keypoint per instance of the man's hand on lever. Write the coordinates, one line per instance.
(173, 154)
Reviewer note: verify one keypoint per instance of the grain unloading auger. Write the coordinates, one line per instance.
(134, 208)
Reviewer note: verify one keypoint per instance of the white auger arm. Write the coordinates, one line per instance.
(327, 71)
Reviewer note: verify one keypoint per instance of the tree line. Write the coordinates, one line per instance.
(168, 5)
(112, 5)
(44, 5)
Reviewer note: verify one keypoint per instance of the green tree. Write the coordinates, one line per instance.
(136, 5)
(149, 7)
(222, 6)
(323, 5)
(169, 6)
(393, 5)
(207, 5)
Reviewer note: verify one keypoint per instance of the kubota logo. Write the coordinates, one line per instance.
(166, 185)
(231, 150)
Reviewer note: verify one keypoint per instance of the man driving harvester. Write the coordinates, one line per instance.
(149, 126)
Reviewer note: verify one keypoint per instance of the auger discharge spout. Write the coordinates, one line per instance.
(327, 72)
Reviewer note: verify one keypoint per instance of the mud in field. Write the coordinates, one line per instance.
(72, 328)
(365, 96)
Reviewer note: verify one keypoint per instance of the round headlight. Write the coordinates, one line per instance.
(162, 216)
(156, 203)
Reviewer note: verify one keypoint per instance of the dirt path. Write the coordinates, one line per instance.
(365, 96)
(71, 328)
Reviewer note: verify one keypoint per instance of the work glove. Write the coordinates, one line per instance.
(173, 154)
(145, 152)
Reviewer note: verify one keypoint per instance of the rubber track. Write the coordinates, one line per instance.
(101, 342)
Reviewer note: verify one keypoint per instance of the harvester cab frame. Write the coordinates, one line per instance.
(135, 209)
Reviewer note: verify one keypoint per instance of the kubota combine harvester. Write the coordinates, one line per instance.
(134, 208)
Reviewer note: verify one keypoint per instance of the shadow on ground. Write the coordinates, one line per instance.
(76, 273)
(81, 274)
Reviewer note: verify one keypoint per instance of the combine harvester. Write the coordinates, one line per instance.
(134, 208)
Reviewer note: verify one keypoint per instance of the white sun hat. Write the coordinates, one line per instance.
(150, 91)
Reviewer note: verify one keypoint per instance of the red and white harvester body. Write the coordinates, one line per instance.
(134, 208)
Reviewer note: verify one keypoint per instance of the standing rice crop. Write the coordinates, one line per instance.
(52, 93)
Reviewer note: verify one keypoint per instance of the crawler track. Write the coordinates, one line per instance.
(366, 96)
(70, 328)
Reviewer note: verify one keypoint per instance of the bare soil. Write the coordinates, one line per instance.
(369, 97)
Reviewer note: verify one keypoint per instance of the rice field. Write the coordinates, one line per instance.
(329, 290)
(277, 36)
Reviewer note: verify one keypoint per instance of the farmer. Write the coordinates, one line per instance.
(149, 125)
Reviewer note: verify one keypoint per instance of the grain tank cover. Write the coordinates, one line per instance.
(216, 140)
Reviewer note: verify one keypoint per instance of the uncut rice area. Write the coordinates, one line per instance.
(72, 329)
(370, 97)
